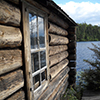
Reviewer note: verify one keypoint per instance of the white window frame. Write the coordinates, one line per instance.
(31, 93)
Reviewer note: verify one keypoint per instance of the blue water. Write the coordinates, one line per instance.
(82, 53)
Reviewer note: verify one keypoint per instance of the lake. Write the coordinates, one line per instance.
(82, 53)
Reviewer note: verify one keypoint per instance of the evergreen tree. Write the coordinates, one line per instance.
(91, 76)
(86, 32)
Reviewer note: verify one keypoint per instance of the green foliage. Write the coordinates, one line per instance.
(73, 94)
(86, 32)
(91, 76)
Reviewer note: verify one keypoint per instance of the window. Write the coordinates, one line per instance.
(36, 50)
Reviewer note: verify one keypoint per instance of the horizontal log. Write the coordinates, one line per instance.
(64, 88)
(57, 58)
(57, 20)
(72, 64)
(20, 95)
(55, 29)
(72, 45)
(57, 68)
(72, 51)
(9, 14)
(55, 39)
(40, 90)
(56, 49)
(61, 92)
(14, 1)
(58, 89)
(10, 83)
(72, 57)
(10, 37)
(10, 60)
(53, 84)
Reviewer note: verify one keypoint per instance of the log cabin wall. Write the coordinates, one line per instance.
(58, 53)
(11, 62)
(62, 50)
(72, 55)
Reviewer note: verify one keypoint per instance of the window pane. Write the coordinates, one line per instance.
(41, 31)
(36, 81)
(36, 61)
(32, 63)
(43, 75)
(43, 58)
(33, 31)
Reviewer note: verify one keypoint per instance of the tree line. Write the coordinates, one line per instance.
(85, 32)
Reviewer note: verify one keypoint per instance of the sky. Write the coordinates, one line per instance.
(82, 11)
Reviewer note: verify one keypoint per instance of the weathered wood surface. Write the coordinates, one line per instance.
(56, 49)
(55, 39)
(54, 84)
(10, 83)
(72, 72)
(55, 29)
(58, 89)
(57, 20)
(41, 90)
(10, 60)
(57, 58)
(72, 57)
(20, 95)
(72, 33)
(72, 45)
(72, 80)
(37, 5)
(57, 68)
(14, 1)
(10, 37)
(72, 30)
(61, 92)
(9, 14)
(72, 37)
(72, 64)
(72, 51)
(27, 55)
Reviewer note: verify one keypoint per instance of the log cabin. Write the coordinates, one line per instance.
(37, 50)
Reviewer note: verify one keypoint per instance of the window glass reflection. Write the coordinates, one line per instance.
(43, 75)
(33, 31)
(35, 58)
(43, 58)
(41, 32)
(32, 63)
(36, 81)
